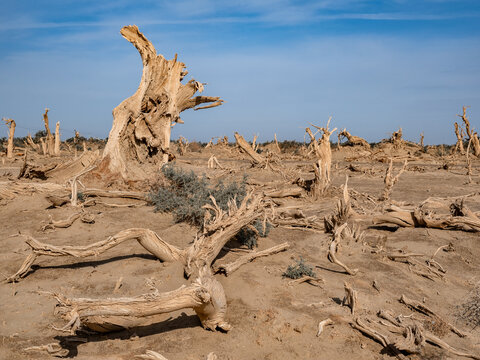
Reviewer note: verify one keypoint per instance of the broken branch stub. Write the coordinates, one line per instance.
(139, 140)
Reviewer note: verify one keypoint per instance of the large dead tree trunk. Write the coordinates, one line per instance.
(11, 126)
(50, 140)
(324, 155)
(140, 135)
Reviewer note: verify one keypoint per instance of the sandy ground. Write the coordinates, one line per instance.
(271, 319)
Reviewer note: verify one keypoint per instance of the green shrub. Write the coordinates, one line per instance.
(248, 237)
(298, 270)
(183, 194)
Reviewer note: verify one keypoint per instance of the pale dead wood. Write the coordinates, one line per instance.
(472, 135)
(323, 153)
(418, 306)
(353, 140)
(466, 221)
(459, 134)
(11, 133)
(350, 299)
(293, 191)
(322, 324)
(276, 144)
(248, 149)
(343, 211)
(50, 142)
(421, 140)
(213, 163)
(54, 349)
(229, 268)
(391, 180)
(52, 224)
(377, 336)
(308, 279)
(442, 344)
(205, 295)
(333, 248)
(57, 139)
(44, 146)
(469, 163)
(182, 145)
(151, 355)
(139, 140)
(30, 142)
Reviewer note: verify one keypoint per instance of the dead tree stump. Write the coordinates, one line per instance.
(140, 135)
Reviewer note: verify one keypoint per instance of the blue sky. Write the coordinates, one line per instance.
(372, 65)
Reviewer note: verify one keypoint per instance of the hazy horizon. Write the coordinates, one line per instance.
(374, 66)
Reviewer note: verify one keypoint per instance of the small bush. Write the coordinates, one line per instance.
(298, 270)
(469, 310)
(248, 237)
(183, 194)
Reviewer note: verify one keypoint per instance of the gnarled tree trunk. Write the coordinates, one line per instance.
(140, 135)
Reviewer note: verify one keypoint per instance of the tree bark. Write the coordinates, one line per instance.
(140, 136)
(11, 126)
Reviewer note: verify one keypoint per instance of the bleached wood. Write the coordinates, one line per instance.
(139, 140)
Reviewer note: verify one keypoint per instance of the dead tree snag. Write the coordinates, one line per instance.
(324, 154)
(57, 139)
(459, 133)
(472, 135)
(11, 126)
(50, 142)
(249, 150)
(391, 180)
(141, 129)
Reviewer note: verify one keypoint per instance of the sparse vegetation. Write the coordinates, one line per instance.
(184, 194)
(299, 269)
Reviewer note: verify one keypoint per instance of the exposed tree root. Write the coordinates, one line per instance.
(308, 279)
(229, 268)
(415, 305)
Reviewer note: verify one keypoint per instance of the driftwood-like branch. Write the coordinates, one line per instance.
(391, 180)
(418, 306)
(315, 281)
(466, 221)
(147, 238)
(353, 140)
(213, 163)
(245, 259)
(442, 344)
(333, 248)
(53, 349)
(249, 150)
(322, 324)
